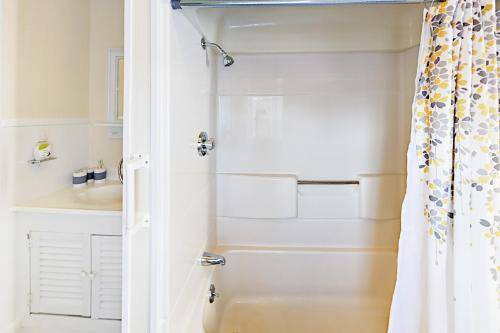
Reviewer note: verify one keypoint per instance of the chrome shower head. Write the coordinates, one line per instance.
(226, 58)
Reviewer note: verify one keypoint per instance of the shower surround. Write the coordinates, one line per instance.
(306, 257)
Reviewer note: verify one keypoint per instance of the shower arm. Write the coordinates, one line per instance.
(227, 59)
(205, 44)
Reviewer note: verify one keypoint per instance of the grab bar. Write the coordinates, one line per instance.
(328, 182)
(131, 166)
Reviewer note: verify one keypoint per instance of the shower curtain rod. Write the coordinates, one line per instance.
(179, 4)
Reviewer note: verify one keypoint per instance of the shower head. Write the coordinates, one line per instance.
(226, 58)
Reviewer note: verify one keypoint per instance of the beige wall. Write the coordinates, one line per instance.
(8, 58)
(8, 23)
(62, 50)
(106, 31)
(53, 62)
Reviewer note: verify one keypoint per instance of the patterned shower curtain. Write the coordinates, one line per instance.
(448, 266)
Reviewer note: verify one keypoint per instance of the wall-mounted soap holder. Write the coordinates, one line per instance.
(38, 162)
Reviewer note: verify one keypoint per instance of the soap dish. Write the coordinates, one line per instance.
(38, 162)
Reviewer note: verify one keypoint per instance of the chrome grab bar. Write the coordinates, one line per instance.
(327, 182)
(211, 259)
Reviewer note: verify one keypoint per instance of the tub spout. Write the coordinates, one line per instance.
(211, 259)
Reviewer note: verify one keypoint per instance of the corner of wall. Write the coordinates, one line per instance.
(8, 26)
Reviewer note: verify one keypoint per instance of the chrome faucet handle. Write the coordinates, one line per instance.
(204, 144)
(212, 294)
(211, 259)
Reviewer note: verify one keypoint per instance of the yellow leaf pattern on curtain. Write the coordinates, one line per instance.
(456, 124)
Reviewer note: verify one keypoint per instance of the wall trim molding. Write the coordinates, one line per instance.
(39, 323)
(31, 122)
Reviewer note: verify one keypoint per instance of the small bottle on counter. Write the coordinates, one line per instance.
(80, 178)
(100, 173)
(90, 175)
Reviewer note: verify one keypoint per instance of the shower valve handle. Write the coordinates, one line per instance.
(204, 144)
(212, 294)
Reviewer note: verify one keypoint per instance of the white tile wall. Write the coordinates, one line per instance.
(256, 196)
(313, 29)
(331, 116)
(189, 109)
(381, 196)
(309, 233)
(69, 145)
(320, 116)
(328, 202)
(309, 73)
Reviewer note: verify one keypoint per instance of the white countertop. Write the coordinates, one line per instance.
(92, 199)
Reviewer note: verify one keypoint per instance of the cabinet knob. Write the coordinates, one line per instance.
(90, 275)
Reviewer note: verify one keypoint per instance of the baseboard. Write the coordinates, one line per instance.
(38, 323)
(14, 327)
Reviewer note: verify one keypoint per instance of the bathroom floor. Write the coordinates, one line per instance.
(303, 315)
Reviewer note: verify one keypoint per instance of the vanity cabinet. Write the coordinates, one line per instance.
(76, 274)
(107, 278)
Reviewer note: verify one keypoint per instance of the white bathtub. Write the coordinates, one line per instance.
(286, 290)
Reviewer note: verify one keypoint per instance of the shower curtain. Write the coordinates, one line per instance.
(448, 267)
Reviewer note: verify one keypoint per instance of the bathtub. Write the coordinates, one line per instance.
(290, 290)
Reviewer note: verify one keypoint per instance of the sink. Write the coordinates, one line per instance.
(101, 194)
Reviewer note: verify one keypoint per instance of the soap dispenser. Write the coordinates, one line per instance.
(100, 173)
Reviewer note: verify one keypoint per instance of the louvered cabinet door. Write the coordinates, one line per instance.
(107, 277)
(59, 265)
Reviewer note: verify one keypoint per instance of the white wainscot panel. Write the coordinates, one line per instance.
(70, 147)
(256, 196)
(381, 195)
(328, 201)
(313, 233)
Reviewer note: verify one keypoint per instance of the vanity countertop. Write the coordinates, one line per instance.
(92, 199)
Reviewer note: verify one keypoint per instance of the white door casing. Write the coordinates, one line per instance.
(136, 148)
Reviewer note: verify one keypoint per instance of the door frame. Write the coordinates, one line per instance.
(160, 166)
(141, 141)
